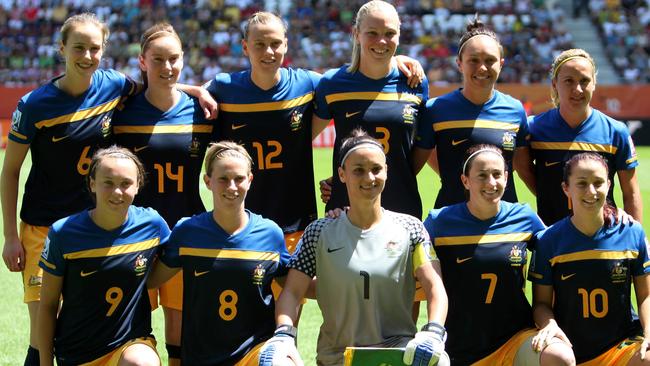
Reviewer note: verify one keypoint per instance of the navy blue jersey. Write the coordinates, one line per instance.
(591, 279)
(483, 264)
(227, 286)
(63, 133)
(105, 303)
(452, 124)
(275, 128)
(389, 110)
(171, 145)
(553, 142)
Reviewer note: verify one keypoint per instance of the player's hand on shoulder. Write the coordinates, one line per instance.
(208, 104)
(280, 350)
(335, 213)
(427, 348)
(13, 254)
(325, 189)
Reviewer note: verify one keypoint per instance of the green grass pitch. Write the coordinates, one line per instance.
(13, 313)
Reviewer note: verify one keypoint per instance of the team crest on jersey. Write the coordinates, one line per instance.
(106, 126)
(34, 281)
(258, 274)
(408, 114)
(296, 120)
(619, 273)
(15, 120)
(516, 256)
(508, 140)
(140, 265)
(195, 147)
(393, 249)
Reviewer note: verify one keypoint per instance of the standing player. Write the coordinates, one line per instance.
(371, 93)
(366, 261)
(583, 268)
(482, 246)
(573, 127)
(98, 261)
(229, 257)
(474, 114)
(166, 128)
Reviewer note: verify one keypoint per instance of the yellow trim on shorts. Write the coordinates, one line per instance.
(505, 355)
(231, 254)
(80, 115)
(267, 106)
(116, 250)
(475, 123)
(113, 357)
(574, 146)
(187, 128)
(482, 239)
(252, 357)
(620, 354)
(594, 254)
(398, 97)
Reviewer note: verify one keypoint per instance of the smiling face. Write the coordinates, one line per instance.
(364, 174)
(162, 61)
(265, 46)
(82, 49)
(486, 180)
(575, 84)
(378, 36)
(115, 185)
(587, 187)
(480, 63)
(229, 181)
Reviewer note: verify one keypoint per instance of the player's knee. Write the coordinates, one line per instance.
(139, 355)
(557, 353)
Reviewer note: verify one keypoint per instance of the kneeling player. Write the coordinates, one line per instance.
(98, 261)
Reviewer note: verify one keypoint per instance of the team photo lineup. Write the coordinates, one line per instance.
(112, 221)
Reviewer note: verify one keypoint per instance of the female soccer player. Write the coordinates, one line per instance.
(367, 261)
(63, 123)
(229, 257)
(166, 128)
(583, 268)
(482, 246)
(473, 114)
(97, 261)
(371, 93)
(574, 127)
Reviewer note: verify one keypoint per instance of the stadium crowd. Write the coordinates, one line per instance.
(531, 32)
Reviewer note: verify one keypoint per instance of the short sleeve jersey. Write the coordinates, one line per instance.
(452, 124)
(389, 110)
(105, 303)
(275, 128)
(63, 133)
(591, 279)
(366, 279)
(483, 264)
(227, 284)
(553, 142)
(171, 146)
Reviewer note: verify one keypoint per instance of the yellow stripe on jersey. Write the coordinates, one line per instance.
(80, 115)
(399, 97)
(115, 250)
(535, 275)
(475, 123)
(594, 254)
(231, 254)
(48, 264)
(631, 160)
(190, 128)
(19, 135)
(574, 146)
(482, 239)
(646, 264)
(421, 257)
(267, 106)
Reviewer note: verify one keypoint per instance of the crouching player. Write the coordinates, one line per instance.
(229, 257)
(98, 261)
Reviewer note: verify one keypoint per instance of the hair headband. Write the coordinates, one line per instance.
(363, 144)
(557, 68)
(472, 155)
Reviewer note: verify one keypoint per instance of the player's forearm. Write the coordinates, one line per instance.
(9, 197)
(288, 305)
(46, 326)
(542, 315)
(437, 302)
(633, 204)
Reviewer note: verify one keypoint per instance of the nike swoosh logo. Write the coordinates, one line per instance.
(458, 260)
(57, 139)
(454, 142)
(547, 164)
(236, 127)
(86, 274)
(138, 149)
(563, 277)
(348, 115)
(329, 250)
(198, 274)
